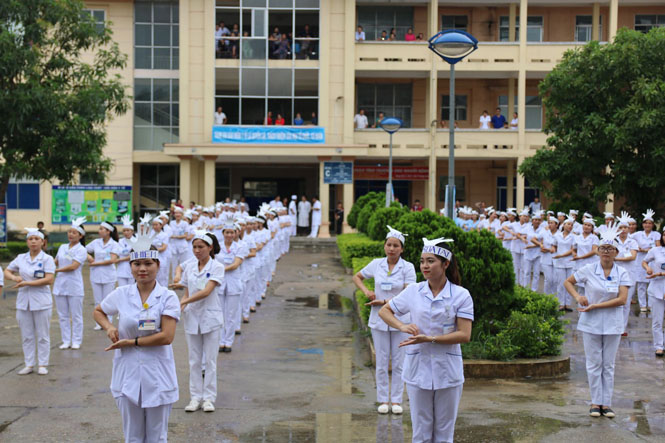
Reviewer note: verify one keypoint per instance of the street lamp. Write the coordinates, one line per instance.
(390, 125)
(452, 46)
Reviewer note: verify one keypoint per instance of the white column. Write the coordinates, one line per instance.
(614, 19)
(595, 23)
(324, 198)
(510, 176)
(209, 179)
(185, 192)
(347, 201)
(519, 204)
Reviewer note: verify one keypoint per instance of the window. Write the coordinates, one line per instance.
(98, 15)
(460, 22)
(460, 107)
(222, 183)
(534, 110)
(584, 28)
(156, 38)
(460, 188)
(392, 99)
(534, 28)
(91, 179)
(22, 194)
(646, 22)
(156, 113)
(502, 192)
(159, 184)
(375, 19)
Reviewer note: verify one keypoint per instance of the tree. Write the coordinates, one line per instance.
(605, 116)
(57, 91)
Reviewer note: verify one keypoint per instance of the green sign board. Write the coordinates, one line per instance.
(96, 203)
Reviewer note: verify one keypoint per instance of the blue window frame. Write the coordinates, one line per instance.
(22, 196)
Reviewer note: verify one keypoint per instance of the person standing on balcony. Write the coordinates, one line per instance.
(485, 120)
(360, 120)
(498, 120)
(279, 121)
(384, 36)
(220, 117)
(360, 34)
(410, 36)
(377, 123)
(514, 122)
(298, 121)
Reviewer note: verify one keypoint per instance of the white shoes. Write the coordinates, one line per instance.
(208, 406)
(25, 371)
(64, 346)
(42, 370)
(76, 346)
(397, 409)
(384, 408)
(97, 328)
(193, 406)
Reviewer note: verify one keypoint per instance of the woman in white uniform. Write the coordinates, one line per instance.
(585, 249)
(33, 272)
(654, 268)
(124, 248)
(230, 292)
(143, 382)
(601, 318)
(391, 275)
(181, 233)
(203, 319)
(562, 259)
(441, 318)
(626, 259)
(646, 240)
(547, 249)
(161, 242)
(68, 287)
(102, 254)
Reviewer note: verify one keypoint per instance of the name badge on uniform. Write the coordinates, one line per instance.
(448, 328)
(628, 254)
(39, 273)
(228, 260)
(200, 284)
(612, 287)
(386, 286)
(147, 325)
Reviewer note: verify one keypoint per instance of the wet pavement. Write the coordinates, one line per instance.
(299, 373)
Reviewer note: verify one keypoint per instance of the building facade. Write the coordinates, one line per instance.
(301, 60)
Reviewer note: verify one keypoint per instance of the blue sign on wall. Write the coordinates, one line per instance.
(273, 135)
(337, 173)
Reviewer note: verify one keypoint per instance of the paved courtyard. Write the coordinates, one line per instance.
(299, 372)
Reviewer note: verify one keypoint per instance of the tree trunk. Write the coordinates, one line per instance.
(4, 184)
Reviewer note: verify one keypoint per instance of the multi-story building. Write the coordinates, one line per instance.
(181, 69)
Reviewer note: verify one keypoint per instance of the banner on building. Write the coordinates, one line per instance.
(413, 173)
(337, 173)
(94, 202)
(3, 225)
(273, 135)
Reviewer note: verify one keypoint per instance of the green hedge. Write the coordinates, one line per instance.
(382, 217)
(352, 218)
(357, 245)
(361, 298)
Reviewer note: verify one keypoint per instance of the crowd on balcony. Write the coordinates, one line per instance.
(497, 121)
(409, 36)
(281, 44)
(276, 119)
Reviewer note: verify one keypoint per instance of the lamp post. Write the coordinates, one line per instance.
(452, 46)
(390, 125)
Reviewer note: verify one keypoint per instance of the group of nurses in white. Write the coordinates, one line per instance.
(391, 275)
(601, 320)
(33, 273)
(646, 240)
(653, 266)
(124, 248)
(102, 255)
(143, 381)
(441, 313)
(231, 256)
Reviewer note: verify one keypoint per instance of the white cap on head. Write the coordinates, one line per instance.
(553, 219)
(178, 209)
(33, 232)
(107, 225)
(294, 197)
(560, 214)
(590, 221)
(609, 236)
(201, 234)
(127, 222)
(623, 220)
(430, 247)
(394, 233)
(77, 223)
(609, 215)
(141, 248)
(573, 212)
(649, 215)
(569, 220)
(525, 211)
(538, 215)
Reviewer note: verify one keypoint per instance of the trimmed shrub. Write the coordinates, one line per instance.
(367, 211)
(352, 218)
(361, 298)
(357, 245)
(376, 228)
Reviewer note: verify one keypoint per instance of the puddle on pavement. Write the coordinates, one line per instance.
(331, 301)
(508, 427)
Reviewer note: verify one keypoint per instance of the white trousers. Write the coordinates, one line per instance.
(626, 307)
(531, 273)
(231, 309)
(600, 351)
(125, 281)
(517, 267)
(143, 425)
(642, 294)
(657, 311)
(100, 291)
(200, 346)
(248, 298)
(386, 345)
(560, 275)
(315, 231)
(549, 286)
(70, 306)
(35, 327)
(433, 413)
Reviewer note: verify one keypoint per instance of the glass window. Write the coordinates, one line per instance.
(375, 19)
(156, 113)
(534, 111)
(22, 194)
(460, 107)
(159, 184)
(98, 15)
(156, 34)
(534, 28)
(460, 22)
(391, 99)
(646, 22)
(584, 28)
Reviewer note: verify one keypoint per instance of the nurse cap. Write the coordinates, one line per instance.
(34, 232)
(587, 215)
(569, 220)
(158, 220)
(609, 236)
(573, 212)
(609, 215)
(591, 221)
(178, 209)
(649, 215)
(294, 197)
(538, 215)
(127, 222)
(201, 234)
(230, 226)
(430, 247)
(164, 214)
(188, 214)
(560, 214)
(77, 223)
(525, 211)
(145, 220)
(553, 219)
(624, 219)
(394, 233)
(550, 212)
(141, 248)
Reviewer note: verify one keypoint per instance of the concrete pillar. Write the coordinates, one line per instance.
(349, 70)
(209, 163)
(185, 192)
(347, 202)
(511, 99)
(519, 204)
(510, 176)
(324, 198)
(512, 16)
(521, 82)
(595, 23)
(184, 32)
(208, 71)
(324, 114)
(614, 19)
(433, 22)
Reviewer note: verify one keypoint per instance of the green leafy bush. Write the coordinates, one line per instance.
(352, 218)
(361, 298)
(367, 211)
(357, 245)
(376, 228)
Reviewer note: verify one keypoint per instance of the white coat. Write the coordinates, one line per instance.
(316, 215)
(655, 258)
(563, 245)
(203, 316)
(102, 252)
(304, 208)
(33, 298)
(124, 269)
(145, 375)
(70, 283)
(644, 242)
(583, 247)
(232, 279)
